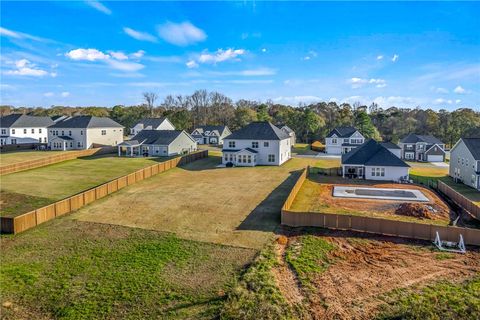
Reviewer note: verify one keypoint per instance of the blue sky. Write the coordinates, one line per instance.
(106, 53)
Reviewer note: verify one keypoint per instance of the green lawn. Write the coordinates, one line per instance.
(7, 158)
(67, 269)
(48, 184)
(303, 149)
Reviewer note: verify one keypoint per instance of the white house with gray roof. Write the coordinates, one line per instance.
(258, 143)
(210, 134)
(158, 143)
(465, 162)
(21, 128)
(152, 124)
(423, 148)
(342, 140)
(373, 161)
(83, 132)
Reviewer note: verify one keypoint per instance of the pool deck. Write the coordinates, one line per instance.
(349, 192)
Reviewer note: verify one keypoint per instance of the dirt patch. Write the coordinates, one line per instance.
(416, 210)
(14, 204)
(364, 270)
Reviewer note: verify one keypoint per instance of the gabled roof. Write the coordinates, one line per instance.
(87, 122)
(390, 145)
(259, 130)
(159, 137)
(153, 122)
(203, 129)
(372, 153)
(342, 132)
(414, 138)
(473, 145)
(18, 120)
(285, 128)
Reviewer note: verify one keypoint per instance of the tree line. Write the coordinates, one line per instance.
(310, 122)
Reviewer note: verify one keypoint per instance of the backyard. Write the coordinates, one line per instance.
(12, 157)
(26, 190)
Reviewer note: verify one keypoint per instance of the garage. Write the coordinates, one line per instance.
(434, 158)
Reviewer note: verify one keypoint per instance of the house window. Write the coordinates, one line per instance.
(81, 132)
(13, 131)
(249, 159)
(40, 140)
(226, 157)
(378, 172)
(79, 144)
(14, 141)
(231, 144)
(345, 140)
(71, 144)
(255, 144)
(266, 144)
(63, 133)
(4, 131)
(45, 139)
(70, 133)
(24, 130)
(104, 132)
(271, 158)
(39, 130)
(33, 130)
(334, 141)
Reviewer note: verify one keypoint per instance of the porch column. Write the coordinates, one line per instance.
(64, 145)
(343, 171)
(119, 151)
(131, 151)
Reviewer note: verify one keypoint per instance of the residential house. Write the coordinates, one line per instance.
(465, 162)
(258, 143)
(342, 140)
(393, 148)
(20, 128)
(422, 148)
(372, 161)
(152, 124)
(210, 134)
(83, 132)
(158, 143)
(290, 132)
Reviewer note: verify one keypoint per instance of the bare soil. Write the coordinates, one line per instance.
(364, 270)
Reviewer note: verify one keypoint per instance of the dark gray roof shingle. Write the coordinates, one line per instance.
(24, 121)
(390, 145)
(159, 137)
(414, 138)
(153, 122)
(342, 132)
(259, 130)
(473, 145)
(203, 129)
(372, 153)
(87, 122)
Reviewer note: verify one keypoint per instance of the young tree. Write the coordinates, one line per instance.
(150, 98)
(312, 122)
(365, 126)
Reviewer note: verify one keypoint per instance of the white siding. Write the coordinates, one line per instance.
(391, 173)
(20, 136)
(183, 143)
(463, 166)
(281, 149)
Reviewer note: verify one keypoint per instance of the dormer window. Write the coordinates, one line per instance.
(231, 144)
(255, 144)
(334, 140)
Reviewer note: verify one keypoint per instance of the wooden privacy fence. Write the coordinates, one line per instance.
(59, 208)
(459, 199)
(379, 226)
(336, 171)
(25, 165)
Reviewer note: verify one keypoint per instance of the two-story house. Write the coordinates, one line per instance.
(465, 162)
(422, 148)
(342, 140)
(21, 128)
(210, 134)
(152, 124)
(83, 132)
(258, 143)
(289, 131)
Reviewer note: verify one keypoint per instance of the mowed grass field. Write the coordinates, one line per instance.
(27, 190)
(234, 206)
(7, 158)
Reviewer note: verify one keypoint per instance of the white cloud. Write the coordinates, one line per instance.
(26, 68)
(458, 101)
(124, 66)
(4, 32)
(459, 90)
(192, 64)
(306, 58)
(48, 94)
(220, 55)
(360, 82)
(142, 36)
(442, 101)
(394, 101)
(395, 57)
(441, 90)
(98, 6)
(380, 57)
(87, 54)
(247, 73)
(65, 94)
(297, 99)
(119, 55)
(181, 34)
(138, 54)
(264, 50)
(311, 54)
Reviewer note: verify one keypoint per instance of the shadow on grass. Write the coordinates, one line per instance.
(266, 216)
(115, 155)
(209, 163)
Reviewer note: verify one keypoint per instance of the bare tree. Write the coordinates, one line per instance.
(150, 98)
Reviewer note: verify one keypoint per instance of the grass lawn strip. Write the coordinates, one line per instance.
(103, 271)
(7, 158)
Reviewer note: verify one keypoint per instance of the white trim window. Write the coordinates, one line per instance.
(271, 158)
(231, 144)
(266, 144)
(378, 172)
(255, 144)
(104, 132)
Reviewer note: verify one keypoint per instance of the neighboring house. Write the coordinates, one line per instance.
(393, 148)
(258, 143)
(158, 143)
(210, 134)
(20, 128)
(342, 140)
(465, 162)
(82, 132)
(372, 161)
(152, 124)
(422, 148)
(290, 132)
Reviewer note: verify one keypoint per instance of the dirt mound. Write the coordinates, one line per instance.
(416, 210)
